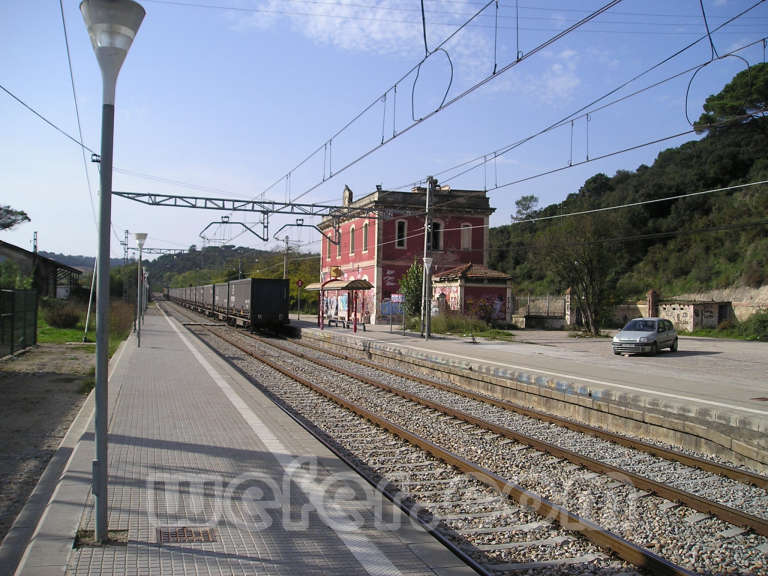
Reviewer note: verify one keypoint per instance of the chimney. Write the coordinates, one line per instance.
(347, 196)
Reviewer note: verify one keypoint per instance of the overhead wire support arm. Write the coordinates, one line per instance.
(225, 222)
(300, 224)
(239, 205)
(157, 250)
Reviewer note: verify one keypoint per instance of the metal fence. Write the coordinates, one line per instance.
(18, 320)
(549, 306)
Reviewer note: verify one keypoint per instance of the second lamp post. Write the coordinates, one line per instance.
(140, 238)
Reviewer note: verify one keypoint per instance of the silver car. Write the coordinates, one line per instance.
(645, 335)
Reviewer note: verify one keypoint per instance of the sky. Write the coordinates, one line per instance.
(228, 98)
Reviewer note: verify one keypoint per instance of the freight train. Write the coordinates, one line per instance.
(254, 303)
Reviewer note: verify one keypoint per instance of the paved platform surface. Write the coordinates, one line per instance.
(724, 375)
(194, 444)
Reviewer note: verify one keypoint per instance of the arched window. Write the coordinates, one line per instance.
(365, 237)
(328, 248)
(338, 243)
(466, 236)
(352, 240)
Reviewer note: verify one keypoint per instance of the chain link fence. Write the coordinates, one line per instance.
(18, 320)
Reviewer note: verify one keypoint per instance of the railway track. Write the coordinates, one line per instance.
(690, 484)
(613, 507)
(740, 474)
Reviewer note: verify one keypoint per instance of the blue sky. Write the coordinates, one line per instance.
(230, 95)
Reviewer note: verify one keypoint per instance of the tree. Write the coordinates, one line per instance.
(10, 217)
(12, 278)
(746, 94)
(525, 207)
(577, 258)
(411, 286)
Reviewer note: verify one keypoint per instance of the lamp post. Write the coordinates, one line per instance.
(112, 26)
(140, 239)
(145, 275)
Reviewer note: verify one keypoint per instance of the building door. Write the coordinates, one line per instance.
(723, 313)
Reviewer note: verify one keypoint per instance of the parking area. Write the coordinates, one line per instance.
(733, 372)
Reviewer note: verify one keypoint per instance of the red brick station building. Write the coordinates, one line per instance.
(388, 237)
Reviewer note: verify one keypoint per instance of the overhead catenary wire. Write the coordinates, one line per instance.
(488, 156)
(446, 103)
(666, 234)
(58, 129)
(709, 34)
(44, 119)
(77, 109)
(81, 136)
(587, 161)
(367, 8)
(424, 28)
(644, 202)
(366, 109)
(419, 232)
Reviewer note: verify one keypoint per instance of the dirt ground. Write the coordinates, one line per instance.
(41, 392)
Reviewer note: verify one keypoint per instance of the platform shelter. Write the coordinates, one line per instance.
(339, 300)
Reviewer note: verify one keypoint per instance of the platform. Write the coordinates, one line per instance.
(710, 396)
(207, 476)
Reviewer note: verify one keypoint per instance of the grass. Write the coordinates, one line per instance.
(89, 382)
(121, 324)
(495, 334)
(458, 325)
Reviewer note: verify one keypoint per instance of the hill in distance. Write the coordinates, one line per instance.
(693, 244)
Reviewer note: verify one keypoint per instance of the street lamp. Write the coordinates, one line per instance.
(140, 239)
(112, 26)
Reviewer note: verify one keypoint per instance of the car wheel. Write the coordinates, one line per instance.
(673, 348)
(654, 349)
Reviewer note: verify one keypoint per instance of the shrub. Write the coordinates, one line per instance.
(121, 317)
(755, 327)
(451, 323)
(728, 324)
(62, 315)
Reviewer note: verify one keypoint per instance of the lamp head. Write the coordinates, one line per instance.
(140, 238)
(112, 26)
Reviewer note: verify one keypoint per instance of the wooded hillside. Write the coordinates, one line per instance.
(678, 246)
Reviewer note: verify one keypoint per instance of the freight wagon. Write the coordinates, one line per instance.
(254, 303)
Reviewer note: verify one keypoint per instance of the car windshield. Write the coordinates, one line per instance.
(641, 326)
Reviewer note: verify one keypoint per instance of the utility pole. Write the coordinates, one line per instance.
(427, 247)
(431, 189)
(34, 242)
(125, 263)
(285, 257)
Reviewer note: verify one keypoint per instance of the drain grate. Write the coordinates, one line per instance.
(185, 535)
(761, 398)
